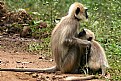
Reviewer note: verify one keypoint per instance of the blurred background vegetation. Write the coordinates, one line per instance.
(104, 21)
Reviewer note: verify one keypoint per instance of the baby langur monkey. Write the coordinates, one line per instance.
(97, 58)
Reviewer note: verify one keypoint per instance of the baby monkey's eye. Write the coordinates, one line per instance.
(89, 39)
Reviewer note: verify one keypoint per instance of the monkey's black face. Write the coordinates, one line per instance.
(81, 13)
(82, 33)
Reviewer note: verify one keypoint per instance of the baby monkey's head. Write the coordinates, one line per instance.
(86, 34)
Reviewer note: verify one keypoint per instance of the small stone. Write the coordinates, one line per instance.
(34, 75)
(41, 57)
(18, 61)
(53, 77)
(51, 60)
(58, 72)
(41, 78)
(0, 61)
(25, 62)
(28, 73)
(47, 76)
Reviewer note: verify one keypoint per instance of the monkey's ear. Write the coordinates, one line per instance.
(85, 8)
(82, 33)
(89, 39)
(77, 10)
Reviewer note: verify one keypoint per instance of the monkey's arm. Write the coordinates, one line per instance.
(52, 69)
(76, 41)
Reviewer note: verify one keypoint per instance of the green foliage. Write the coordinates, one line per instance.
(35, 47)
(104, 21)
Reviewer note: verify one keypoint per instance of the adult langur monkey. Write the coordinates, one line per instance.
(66, 46)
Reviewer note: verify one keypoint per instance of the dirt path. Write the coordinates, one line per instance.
(21, 60)
(26, 60)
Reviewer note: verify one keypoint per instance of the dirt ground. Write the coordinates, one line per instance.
(13, 54)
(21, 60)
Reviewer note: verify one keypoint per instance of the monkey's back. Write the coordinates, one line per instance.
(64, 29)
(98, 57)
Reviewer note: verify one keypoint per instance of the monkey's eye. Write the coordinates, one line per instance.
(89, 39)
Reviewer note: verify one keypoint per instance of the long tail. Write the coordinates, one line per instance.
(46, 70)
(73, 78)
(52, 69)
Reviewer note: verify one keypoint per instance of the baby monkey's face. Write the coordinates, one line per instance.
(86, 34)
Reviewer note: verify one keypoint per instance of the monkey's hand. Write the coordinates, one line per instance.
(84, 43)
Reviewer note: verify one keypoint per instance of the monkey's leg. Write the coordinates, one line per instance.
(103, 68)
(52, 69)
(70, 62)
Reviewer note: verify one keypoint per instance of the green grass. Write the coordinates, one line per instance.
(104, 21)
